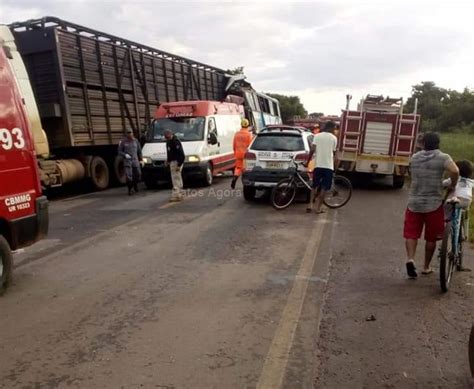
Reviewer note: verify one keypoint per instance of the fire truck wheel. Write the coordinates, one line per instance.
(119, 171)
(398, 182)
(6, 262)
(99, 173)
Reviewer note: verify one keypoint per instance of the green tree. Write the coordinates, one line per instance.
(234, 72)
(290, 106)
(430, 99)
(442, 109)
(316, 114)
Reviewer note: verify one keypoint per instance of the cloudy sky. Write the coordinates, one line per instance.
(318, 50)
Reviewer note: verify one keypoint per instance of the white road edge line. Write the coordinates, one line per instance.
(274, 368)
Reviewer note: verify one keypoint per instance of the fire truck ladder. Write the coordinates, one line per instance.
(354, 144)
(406, 119)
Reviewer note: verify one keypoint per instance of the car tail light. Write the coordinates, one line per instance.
(250, 156)
(301, 157)
(250, 160)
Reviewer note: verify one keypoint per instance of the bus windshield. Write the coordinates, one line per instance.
(186, 129)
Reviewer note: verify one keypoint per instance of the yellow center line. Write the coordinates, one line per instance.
(171, 203)
(274, 368)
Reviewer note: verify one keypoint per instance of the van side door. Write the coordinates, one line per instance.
(212, 137)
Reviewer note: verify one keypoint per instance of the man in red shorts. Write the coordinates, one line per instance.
(425, 201)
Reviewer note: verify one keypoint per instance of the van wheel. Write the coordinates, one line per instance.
(249, 193)
(119, 170)
(208, 175)
(99, 173)
(150, 182)
(398, 182)
(6, 264)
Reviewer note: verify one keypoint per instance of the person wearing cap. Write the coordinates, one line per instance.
(315, 130)
(129, 148)
(242, 140)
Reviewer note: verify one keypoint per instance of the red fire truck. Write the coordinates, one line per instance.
(378, 138)
(23, 209)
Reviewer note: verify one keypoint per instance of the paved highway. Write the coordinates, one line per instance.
(215, 292)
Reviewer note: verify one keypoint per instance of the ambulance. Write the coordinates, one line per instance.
(206, 130)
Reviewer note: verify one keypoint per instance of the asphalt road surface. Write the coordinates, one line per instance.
(215, 292)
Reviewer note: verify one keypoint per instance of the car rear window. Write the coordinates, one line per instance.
(278, 142)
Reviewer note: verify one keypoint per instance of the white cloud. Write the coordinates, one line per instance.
(10, 13)
(318, 50)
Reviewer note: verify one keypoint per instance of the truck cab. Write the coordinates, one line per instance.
(23, 208)
(206, 130)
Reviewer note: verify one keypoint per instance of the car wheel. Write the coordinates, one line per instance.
(249, 193)
(6, 262)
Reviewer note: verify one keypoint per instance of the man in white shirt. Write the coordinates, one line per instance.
(325, 146)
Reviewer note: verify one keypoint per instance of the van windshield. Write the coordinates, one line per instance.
(187, 129)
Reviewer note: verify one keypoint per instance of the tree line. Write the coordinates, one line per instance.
(442, 110)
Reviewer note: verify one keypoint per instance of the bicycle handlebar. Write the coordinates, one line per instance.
(297, 163)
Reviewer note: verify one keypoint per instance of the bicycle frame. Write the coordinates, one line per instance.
(456, 219)
(297, 174)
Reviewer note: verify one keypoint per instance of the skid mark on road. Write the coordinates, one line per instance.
(276, 360)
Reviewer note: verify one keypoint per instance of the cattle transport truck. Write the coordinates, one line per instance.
(83, 88)
(378, 138)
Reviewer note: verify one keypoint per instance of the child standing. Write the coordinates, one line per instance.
(463, 194)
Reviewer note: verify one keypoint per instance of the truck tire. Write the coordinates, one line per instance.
(249, 193)
(398, 182)
(99, 173)
(119, 171)
(6, 264)
(208, 175)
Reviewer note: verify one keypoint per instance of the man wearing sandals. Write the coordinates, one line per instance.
(325, 146)
(425, 201)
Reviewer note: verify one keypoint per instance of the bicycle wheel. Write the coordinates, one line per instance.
(446, 258)
(339, 194)
(460, 248)
(283, 193)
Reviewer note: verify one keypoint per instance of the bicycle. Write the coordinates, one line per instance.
(451, 251)
(284, 193)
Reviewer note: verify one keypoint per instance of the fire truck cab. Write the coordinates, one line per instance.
(23, 208)
(378, 138)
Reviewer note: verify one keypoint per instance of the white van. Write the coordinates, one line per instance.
(206, 130)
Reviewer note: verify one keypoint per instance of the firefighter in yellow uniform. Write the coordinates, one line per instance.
(242, 140)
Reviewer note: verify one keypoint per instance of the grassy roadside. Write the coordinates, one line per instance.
(460, 146)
